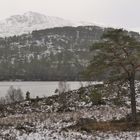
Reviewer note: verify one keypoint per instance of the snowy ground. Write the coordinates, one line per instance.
(45, 122)
(49, 126)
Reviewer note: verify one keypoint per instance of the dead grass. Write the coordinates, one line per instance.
(40, 117)
(107, 126)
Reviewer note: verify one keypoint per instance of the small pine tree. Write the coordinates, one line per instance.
(27, 95)
(96, 97)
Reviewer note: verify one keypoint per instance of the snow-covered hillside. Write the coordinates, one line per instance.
(65, 117)
(19, 24)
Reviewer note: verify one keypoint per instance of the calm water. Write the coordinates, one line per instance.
(37, 88)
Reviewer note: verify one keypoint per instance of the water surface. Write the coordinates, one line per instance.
(37, 88)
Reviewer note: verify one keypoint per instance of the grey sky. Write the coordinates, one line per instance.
(119, 13)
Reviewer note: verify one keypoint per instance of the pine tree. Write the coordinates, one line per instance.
(118, 56)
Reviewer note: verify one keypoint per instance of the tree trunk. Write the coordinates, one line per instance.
(133, 98)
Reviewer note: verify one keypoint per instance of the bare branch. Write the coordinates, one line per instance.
(120, 61)
(127, 54)
(137, 67)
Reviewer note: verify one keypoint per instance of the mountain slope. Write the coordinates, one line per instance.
(20, 24)
(60, 53)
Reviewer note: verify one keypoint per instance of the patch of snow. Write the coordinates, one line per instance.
(26, 23)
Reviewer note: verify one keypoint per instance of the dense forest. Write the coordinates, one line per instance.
(61, 53)
(51, 54)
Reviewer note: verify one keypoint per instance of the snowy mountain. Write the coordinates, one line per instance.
(20, 24)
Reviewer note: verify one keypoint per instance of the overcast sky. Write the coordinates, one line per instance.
(119, 13)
